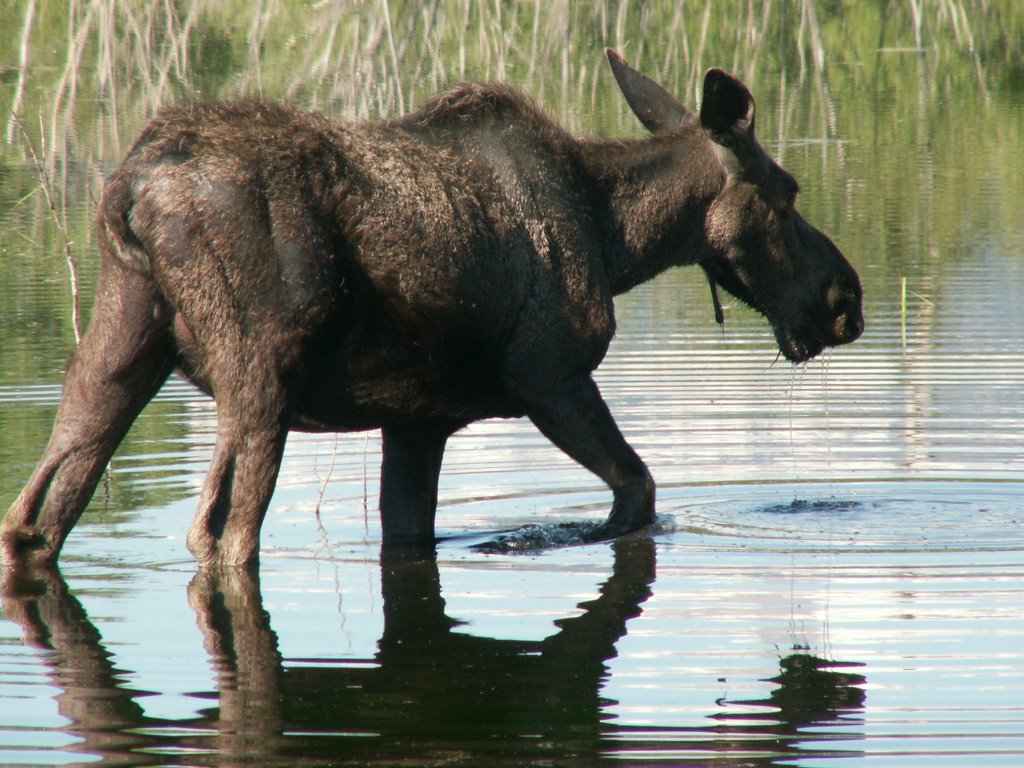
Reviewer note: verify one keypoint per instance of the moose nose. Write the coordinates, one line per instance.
(848, 326)
(847, 315)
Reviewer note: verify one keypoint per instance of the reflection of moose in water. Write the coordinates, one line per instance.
(431, 694)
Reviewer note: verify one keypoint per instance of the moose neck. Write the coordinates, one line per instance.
(657, 191)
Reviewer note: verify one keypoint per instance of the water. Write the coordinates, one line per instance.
(837, 572)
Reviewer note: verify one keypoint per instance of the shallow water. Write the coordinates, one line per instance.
(837, 571)
(824, 583)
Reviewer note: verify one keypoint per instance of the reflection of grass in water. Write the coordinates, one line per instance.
(59, 223)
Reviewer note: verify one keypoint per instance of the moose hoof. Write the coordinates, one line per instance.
(23, 544)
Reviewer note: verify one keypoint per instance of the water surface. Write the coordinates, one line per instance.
(837, 574)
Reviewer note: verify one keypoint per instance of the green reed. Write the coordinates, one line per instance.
(83, 75)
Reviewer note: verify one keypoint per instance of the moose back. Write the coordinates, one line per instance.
(413, 275)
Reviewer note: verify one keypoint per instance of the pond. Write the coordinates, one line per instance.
(837, 571)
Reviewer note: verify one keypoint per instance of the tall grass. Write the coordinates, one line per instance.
(87, 73)
(122, 59)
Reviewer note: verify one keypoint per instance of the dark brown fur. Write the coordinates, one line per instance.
(415, 275)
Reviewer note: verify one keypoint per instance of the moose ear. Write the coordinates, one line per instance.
(657, 109)
(727, 109)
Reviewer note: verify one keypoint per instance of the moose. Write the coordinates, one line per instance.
(413, 275)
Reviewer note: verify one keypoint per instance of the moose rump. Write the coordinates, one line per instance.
(414, 275)
(369, 270)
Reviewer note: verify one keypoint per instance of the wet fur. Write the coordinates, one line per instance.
(413, 275)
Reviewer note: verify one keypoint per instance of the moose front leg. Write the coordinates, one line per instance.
(408, 483)
(573, 415)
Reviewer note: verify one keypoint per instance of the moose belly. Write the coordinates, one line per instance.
(357, 397)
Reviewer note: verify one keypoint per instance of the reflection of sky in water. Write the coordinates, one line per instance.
(863, 509)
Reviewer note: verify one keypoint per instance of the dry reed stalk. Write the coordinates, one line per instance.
(19, 88)
(323, 489)
(47, 187)
(390, 36)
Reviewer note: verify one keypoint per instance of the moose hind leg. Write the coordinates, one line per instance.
(251, 433)
(124, 358)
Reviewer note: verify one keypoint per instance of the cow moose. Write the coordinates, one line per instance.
(413, 275)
